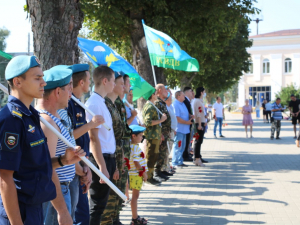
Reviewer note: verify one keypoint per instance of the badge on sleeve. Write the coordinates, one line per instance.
(11, 140)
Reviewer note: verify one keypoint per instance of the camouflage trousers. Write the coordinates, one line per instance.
(163, 150)
(276, 125)
(111, 209)
(152, 151)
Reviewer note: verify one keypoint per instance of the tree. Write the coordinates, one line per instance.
(55, 27)
(4, 33)
(286, 92)
(213, 31)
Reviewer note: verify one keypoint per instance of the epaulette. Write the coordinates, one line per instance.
(16, 112)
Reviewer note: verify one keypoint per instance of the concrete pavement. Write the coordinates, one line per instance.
(247, 181)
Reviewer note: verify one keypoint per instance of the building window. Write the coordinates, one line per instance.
(250, 68)
(287, 65)
(266, 66)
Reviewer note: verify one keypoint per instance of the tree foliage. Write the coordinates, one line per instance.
(212, 31)
(4, 33)
(286, 92)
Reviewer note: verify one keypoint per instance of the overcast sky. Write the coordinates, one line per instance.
(277, 15)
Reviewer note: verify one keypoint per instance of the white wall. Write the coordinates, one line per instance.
(296, 69)
(276, 74)
(241, 89)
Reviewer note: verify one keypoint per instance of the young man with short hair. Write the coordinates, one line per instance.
(276, 117)
(25, 155)
(294, 107)
(102, 142)
(218, 116)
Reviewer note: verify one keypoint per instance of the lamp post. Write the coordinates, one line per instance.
(257, 20)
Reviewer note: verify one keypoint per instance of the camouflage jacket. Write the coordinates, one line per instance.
(122, 111)
(166, 125)
(149, 114)
(118, 127)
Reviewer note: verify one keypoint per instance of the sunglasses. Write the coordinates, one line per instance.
(69, 128)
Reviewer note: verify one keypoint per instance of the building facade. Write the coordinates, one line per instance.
(275, 63)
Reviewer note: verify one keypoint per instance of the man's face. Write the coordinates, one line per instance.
(34, 83)
(181, 97)
(278, 101)
(293, 98)
(190, 94)
(127, 85)
(65, 94)
(110, 84)
(119, 88)
(219, 100)
(87, 82)
(129, 97)
(163, 92)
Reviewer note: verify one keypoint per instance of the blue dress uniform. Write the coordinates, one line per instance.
(24, 150)
(82, 213)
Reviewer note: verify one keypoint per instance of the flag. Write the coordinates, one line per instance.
(100, 54)
(165, 52)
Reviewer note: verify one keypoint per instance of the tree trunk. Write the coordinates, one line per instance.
(55, 27)
(141, 59)
(160, 77)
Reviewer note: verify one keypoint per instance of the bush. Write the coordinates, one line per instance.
(285, 94)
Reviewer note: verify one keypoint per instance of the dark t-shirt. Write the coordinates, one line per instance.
(295, 105)
(264, 106)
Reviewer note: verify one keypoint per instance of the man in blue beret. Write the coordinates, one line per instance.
(81, 83)
(25, 163)
(56, 97)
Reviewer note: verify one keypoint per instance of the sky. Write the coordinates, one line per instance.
(277, 15)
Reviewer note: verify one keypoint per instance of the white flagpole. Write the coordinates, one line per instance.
(88, 110)
(153, 71)
(155, 107)
(84, 159)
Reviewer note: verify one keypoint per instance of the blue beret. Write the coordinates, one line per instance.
(167, 87)
(80, 68)
(57, 76)
(168, 96)
(119, 73)
(20, 65)
(136, 129)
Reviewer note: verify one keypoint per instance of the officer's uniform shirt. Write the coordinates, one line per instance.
(24, 150)
(78, 115)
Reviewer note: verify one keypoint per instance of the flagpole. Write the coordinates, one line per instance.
(153, 71)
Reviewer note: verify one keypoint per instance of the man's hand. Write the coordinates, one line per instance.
(162, 137)
(192, 117)
(96, 121)
(133, 112)
(116, 175)
(72, 156)
(64, 218)
(105, 172)
(145, 176)
(199, 127)
(297, 143)
(215, 118)
(163, 117)
(86, 180)
(190, 121)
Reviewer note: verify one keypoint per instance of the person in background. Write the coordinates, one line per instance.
(199, 112)
(257, 110)
(276, 118)
(268, 106)
(294, 112)
(209, 111)
(130, 111)
(184, 120)
(263, 105)
(247, 119)
(218, 116)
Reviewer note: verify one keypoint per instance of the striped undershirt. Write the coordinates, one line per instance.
(135, 155)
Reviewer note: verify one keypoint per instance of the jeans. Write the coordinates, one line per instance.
(49, 212)
(74, 191)
(257, 113)
(99, 192)
(178, 148)
(220, 122)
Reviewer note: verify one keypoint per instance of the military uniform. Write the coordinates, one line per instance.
(126, 146)
(165, 130)
(152, 135)
(110, 211)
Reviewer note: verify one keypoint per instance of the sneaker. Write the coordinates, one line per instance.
(204, 161)
(183, 165)
(271, 138)
(222, 136)
(157, 178)
(278, 138)
(152, 182)
(162, 176)
(167, 173)
(215, 136)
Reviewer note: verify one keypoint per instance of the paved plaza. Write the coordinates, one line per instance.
(247, 181)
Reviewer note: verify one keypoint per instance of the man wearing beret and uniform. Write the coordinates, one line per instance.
(81, 82)
(110, 211)
(126, 141)
(162, 94)
(56, 96)
(152, 121)
(25, 163)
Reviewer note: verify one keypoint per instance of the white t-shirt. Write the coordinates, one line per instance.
(219, 109)
(107, 138)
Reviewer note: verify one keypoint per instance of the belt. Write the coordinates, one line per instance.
(67, 183)
(107, 155)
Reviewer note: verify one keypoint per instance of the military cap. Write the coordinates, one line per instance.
(119, 73)
(57, 76)
(20, 65)
(80, 68)
(136, 129)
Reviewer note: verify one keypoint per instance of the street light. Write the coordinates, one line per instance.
(257, 20)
